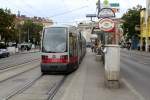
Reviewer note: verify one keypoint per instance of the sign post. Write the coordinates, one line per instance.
(111, 51)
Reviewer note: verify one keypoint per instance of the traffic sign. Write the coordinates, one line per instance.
(114, 5)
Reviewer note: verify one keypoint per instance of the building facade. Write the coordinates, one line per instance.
(44, 21)
(144, 30)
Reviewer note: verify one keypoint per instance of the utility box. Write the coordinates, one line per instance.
(112, 65)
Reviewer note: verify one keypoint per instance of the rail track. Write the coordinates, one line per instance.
(52, 90)
(1, 81)
(19, 64)
(3, 60)
(55, 88)
(21, 89)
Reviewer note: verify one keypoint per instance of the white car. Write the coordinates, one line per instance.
(4, 53)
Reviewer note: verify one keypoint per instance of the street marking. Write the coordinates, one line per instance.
(133, 89)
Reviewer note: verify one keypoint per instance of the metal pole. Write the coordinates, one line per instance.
(146, 47)
(99, 6)
(19, 36)
(0, 37)
(28, 34)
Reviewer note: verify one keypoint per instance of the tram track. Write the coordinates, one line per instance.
(2, 60)
(53, 82)
(21, 89)
(55, 88)
(18, 64)
(5, 79)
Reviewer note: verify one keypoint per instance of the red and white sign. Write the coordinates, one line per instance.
(106, 25)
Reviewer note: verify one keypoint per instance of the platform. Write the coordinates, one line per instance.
(87, 83)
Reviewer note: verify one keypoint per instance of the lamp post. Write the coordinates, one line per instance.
(28, 35)
(99, 6)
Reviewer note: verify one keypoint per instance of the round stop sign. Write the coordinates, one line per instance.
(106, 25)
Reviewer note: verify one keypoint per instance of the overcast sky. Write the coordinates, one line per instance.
(63, 11)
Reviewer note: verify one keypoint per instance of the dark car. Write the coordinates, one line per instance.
(4, 53)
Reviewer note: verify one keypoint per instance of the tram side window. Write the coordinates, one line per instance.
(72, 44)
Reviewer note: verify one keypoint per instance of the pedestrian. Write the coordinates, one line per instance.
(128, 45)
(92, 47)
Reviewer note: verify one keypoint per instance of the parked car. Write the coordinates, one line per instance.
(26, 46)
(4, 53)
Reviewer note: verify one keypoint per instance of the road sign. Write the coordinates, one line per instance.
(106, 25)
(106, 13)
(91, 15)
(114, 5)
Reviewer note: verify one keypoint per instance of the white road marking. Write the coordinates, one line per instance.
(133, 89)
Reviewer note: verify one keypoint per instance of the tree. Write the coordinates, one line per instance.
(7, 25)
(32, 31)
(131, 19)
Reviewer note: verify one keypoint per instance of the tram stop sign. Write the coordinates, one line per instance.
(106, 13)
(107, 25)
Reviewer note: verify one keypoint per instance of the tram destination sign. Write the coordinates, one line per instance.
(106, 13)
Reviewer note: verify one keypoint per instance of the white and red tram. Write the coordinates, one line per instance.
(63, 48)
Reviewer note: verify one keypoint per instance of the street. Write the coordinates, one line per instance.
(87, 82)
(75, 50)
(135, 68)
(18, 60)
(20, 72)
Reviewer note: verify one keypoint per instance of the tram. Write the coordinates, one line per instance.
(62, 49)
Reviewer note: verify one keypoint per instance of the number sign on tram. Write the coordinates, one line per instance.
(106, 25)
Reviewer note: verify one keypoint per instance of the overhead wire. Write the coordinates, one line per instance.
(69, 11)
(53, 16)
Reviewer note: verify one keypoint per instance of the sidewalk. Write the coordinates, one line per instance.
(87, 83)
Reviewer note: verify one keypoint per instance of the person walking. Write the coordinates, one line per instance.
(92, 47)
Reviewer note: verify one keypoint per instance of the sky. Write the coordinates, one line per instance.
(63, 11)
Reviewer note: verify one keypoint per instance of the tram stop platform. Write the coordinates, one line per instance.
(87, 83)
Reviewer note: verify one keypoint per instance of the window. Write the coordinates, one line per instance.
(55, 40)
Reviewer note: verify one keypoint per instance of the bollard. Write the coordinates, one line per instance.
(112, 66)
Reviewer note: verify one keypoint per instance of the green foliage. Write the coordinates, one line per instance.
(131, 19)
(12, 31)
(33, 29)
(7, 25)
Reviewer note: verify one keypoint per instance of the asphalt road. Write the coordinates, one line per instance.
(19, 59)
(135, 68)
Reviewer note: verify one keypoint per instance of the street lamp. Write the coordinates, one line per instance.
(28, 35)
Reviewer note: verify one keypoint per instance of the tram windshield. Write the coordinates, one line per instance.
(55, 40)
